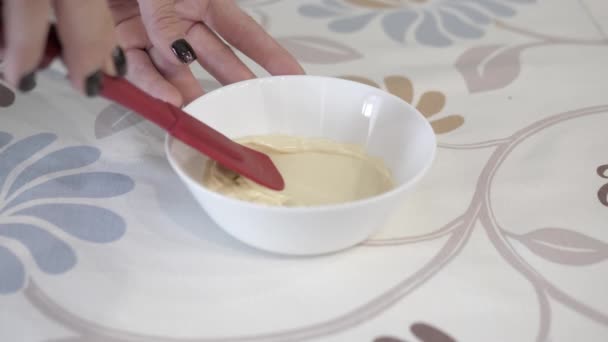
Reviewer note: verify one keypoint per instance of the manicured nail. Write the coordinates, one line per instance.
(183, 51)
(120, 61)
(93, 84)
(27, 82)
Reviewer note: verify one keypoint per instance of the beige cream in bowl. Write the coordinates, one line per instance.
(349, 154)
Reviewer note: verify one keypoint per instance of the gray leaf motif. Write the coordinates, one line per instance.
(486, 68)
(5, 138)
(13, 272)
(397, 24)
(81, 185)
(428, 32)
(352, 24)
(459, 27)
(318, 50)
(86, 222)
(22, 150)
(470, 12)
(113, 119)
(565, 246)
(75, 219)
(317, 11)
(498, 9)
(338, 4)
(52, 255)
(68, 158)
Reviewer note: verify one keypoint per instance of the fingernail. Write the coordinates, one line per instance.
(183, 51)
(93, 84)
(27, 82)
(120, 61)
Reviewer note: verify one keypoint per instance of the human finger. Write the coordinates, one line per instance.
(25, 29)
(166, 30)
(88, 42)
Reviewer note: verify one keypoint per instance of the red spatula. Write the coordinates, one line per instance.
(241, 159)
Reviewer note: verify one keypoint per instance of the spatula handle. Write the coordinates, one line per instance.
(179, 124)
(175, 121)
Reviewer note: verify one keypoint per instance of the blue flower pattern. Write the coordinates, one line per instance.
(48, 190)
(435, 23)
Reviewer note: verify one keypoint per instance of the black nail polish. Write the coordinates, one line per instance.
(27, 82)
(93, 84)
(120, 61)
(183, 51)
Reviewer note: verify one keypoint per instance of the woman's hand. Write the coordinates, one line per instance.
(85, 29)
(161, 37)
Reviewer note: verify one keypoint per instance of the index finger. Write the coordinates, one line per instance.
(245, 34)
(86, 32)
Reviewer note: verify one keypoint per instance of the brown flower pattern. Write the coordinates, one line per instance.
(424, 332)
(602, 194)
(430, 104)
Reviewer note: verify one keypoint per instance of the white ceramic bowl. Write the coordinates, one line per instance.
(309, 106)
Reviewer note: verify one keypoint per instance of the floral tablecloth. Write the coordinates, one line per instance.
(506, 239)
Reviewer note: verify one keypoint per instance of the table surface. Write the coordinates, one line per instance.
(506, 239)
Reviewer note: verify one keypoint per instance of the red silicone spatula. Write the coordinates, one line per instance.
(241, 159)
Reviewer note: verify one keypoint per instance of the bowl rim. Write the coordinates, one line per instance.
(317, 208)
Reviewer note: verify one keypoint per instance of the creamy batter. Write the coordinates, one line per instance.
(315, 171)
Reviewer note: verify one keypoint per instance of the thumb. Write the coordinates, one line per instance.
(165, 30)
